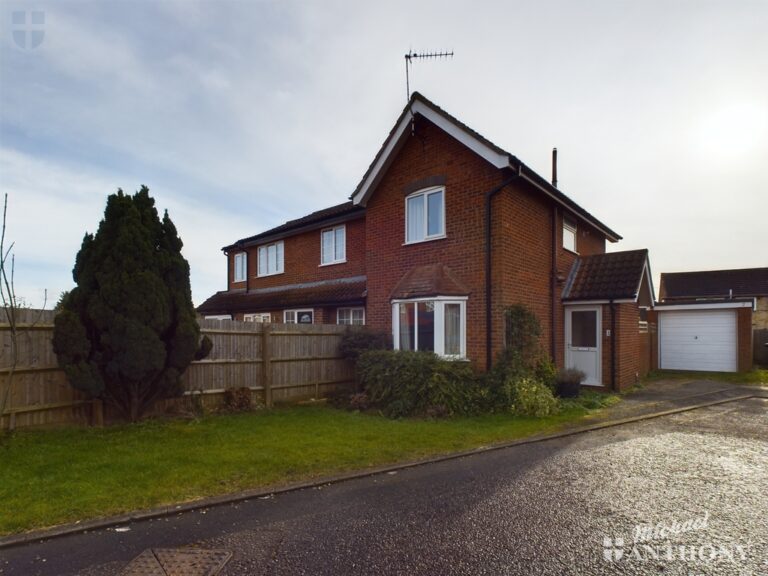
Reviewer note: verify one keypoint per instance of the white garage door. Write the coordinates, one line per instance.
(698, 340)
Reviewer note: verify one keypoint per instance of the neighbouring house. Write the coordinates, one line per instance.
(444, 231)
(713, 318)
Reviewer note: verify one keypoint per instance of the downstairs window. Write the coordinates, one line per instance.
(436, 324)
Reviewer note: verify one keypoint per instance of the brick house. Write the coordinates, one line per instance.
(444, 231)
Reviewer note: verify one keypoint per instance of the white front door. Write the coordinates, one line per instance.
(582, 341)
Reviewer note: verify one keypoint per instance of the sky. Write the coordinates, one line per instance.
(240, 115)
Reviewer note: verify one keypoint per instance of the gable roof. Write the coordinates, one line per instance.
(350, 290)
(429, 280)
(612, 276)
(498, 157)
(326, 216)
(714, 283)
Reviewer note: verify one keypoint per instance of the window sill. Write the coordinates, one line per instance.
(431, 239)
(332, 263)
(272, 274)
(571, 251)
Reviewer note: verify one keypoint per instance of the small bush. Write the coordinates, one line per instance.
(359, 401)
(546, 372)
(532, 398)
(402, 383)
(568, 382)
(355, 342)
(238, 399)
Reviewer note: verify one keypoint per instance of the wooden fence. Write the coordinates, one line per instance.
(278, 362)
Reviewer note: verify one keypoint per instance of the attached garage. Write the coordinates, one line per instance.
(702, 337)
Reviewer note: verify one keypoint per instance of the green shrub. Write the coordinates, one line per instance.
(532, 398)
(238, 399)
(355, 342)
(402, 383)
(546, 372)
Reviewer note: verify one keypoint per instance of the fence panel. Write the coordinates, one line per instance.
(301, 361)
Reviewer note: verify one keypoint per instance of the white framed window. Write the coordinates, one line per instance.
(302, 316)
(351, 316)
(425, 215)
(271, 259)
(241, 266)
(569, 233)
(333, 245)
(261, 317)
(437, 324)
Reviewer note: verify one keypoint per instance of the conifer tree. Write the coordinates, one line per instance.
(127, 331)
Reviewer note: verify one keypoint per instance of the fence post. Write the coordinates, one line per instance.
(266, 365)
(97, 413)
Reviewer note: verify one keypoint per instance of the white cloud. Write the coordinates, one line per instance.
(240, 115)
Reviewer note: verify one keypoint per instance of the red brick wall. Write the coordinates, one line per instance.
(302, 260)
(628, 344)
(588, 241)
(521, 239)
(628, 349)
(430, 152)
(744, 330)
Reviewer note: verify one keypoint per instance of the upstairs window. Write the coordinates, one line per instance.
(241, 267)
(333, 245)
(569, 233)
(271, 259)
(425, 215)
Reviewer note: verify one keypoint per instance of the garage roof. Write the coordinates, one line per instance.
(714, 284)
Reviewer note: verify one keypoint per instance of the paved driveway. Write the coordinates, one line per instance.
(544, 508)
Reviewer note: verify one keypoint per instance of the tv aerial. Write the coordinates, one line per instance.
(411, 56)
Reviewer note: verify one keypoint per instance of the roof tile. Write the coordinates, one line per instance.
(714, 283)
(615, 275)
(325, 293)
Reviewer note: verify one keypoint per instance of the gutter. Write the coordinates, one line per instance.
(488, 293)
(553, 286)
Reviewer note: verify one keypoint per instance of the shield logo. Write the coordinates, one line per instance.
(28, 28)
(613, 549)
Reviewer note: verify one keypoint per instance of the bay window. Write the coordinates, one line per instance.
(433, 324)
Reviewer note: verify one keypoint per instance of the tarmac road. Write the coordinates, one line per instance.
(542, 508)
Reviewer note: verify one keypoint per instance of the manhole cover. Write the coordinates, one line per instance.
(177, 562)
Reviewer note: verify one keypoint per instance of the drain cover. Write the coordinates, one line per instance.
(177, 562)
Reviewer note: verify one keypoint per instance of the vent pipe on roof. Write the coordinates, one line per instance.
(554, 167)
(730, 293)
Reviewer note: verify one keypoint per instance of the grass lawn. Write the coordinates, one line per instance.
(55, 476)
(755, 377)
